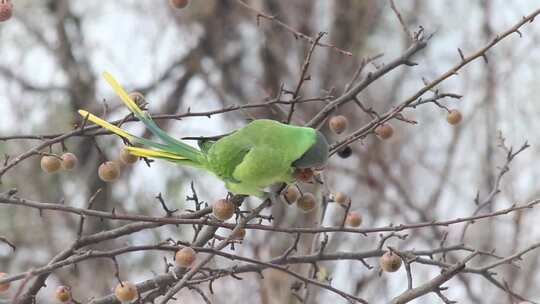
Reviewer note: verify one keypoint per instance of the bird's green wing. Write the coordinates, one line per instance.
(263, 166)
(288, 142)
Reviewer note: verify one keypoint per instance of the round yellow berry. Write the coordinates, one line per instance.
(307, 202)
(137, 98)
(127, 158)
(109, 171)
(4, 286)
(50, 163)
(63, 293)
(353, 219)
(454, 117)
(390, 262)
(338, 124)
(341, 198)
(6, 10)
(185, 257)
(179, 4)
(223, 209)
(69, 161)
(126, 291)
(240, 234)
(291, 194)
(384, 131)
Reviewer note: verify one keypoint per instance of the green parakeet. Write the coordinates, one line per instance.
(248, 160)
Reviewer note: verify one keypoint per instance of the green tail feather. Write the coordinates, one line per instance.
(173, 144)
(122, 133)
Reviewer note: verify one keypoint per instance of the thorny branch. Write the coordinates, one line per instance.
(362, 132)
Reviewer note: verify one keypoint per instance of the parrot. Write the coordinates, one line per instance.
(248, 160)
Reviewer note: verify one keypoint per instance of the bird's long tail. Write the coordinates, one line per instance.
(172, 150)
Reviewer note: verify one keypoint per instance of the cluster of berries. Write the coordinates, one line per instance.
(108, 171)
(339, 124)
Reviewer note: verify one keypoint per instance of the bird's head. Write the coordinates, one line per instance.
(316, 156)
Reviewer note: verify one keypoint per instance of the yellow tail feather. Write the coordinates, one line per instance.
(106, 125)
(122, 93)
(154, 153)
